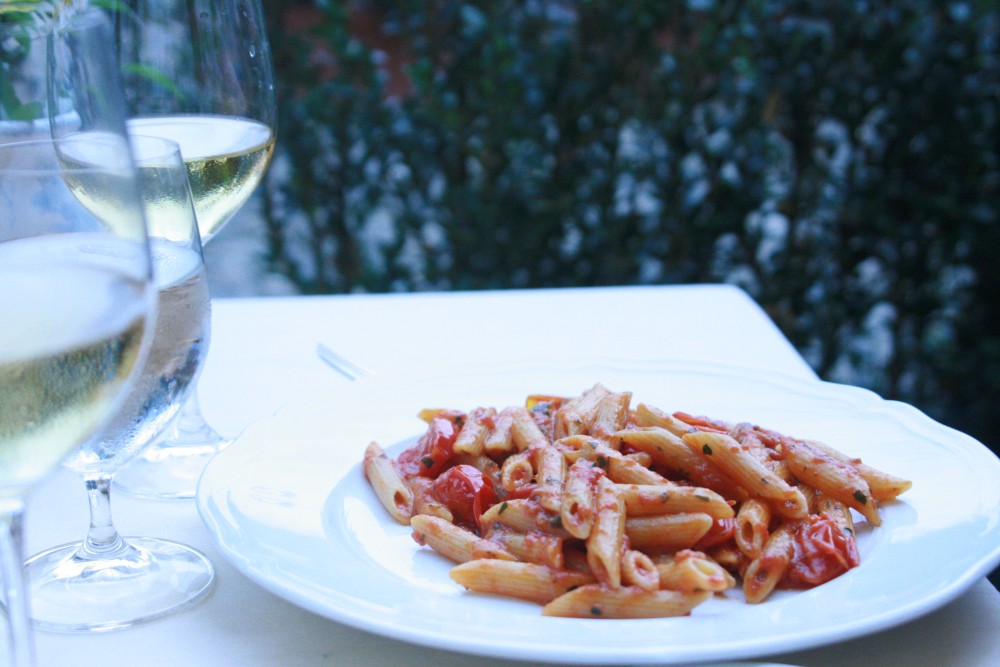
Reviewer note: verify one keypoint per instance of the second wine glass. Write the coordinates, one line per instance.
(198, 72)
(107, 581)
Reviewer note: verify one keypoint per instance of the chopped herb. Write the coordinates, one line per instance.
(596, 610)
(707, 450)
(427, 461)
(602, 462)
(665, 496)
(861, 498)
(705, 498)
(556, 521)
(503, 507)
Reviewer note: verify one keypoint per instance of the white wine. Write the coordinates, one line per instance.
(225, 156)
(73, 323)
(176, 353)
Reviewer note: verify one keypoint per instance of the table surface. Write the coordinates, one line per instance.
(263, 357)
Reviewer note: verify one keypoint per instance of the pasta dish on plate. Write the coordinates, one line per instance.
(595, 508)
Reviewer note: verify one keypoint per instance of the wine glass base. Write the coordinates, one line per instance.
(156, 578)
(164, 471)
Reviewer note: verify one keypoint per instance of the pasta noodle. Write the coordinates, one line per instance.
(598, 510)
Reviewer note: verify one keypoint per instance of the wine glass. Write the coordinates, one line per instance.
(198, 72)
(107, 581)
(76, 295)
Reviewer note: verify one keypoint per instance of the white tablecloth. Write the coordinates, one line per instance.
(263, 357)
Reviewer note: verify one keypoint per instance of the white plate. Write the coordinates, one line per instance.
(289, 507)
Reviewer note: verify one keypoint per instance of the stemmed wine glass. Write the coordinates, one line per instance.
(197, 72)
(76, 296)
(106, 581)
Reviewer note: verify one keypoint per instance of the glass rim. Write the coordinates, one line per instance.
(9, 152)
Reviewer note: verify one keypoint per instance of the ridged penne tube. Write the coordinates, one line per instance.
(838, 512)
(610, 417)
(834, 477)
(671, 452)
(763, 573)
(752, 526)
(596, 601)
(500, 440)
(639, 570)
(748, 472)
(523, 430)
(526, 581)
(454, 543)
(516, 471)
(472, 436)
(550, 472)
(532, 547)
(652, 499)
(691, 571)
(626, 470)
(649, 415)
(390, 488)
(747, 435)
(424, 501)
(667, 532)
(579, 500)
(576, 447)
(884, 487)
(524, 515)
(604, 544)
(576, 415)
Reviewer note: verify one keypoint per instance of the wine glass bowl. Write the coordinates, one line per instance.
(107, 581)
(76, 297)
(197, 72)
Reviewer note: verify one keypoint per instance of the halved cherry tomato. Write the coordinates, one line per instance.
(432, 452)
(823, 551)
(466, 492)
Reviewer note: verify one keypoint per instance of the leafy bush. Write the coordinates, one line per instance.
(839, 161)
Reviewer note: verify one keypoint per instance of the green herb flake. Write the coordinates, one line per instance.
(861, 498)
(427, 461)
(706, 450)
(595, 610)
(503, 507)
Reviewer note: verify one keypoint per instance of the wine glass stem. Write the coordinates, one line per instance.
(190, 425)
(103, 540)
(21, 642)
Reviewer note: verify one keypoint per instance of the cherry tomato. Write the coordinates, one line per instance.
(465, 491)
(432, 452)
(823, 551)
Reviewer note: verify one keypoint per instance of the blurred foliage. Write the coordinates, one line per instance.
(840, 161)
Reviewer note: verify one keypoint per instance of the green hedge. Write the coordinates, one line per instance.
(840, 161)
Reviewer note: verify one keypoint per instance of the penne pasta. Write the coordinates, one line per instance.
(764, 572)
(606, 538)
(752, 526)
(387, 483)
(576, 415)
(667, 532)
(472, 436)
(596, 601)
(834, 477)
(526, 581)
(579, 499)
(452, 542)
(639, 570)
(692, 571)
(500, 440)
(652, 499)
(748, 472)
